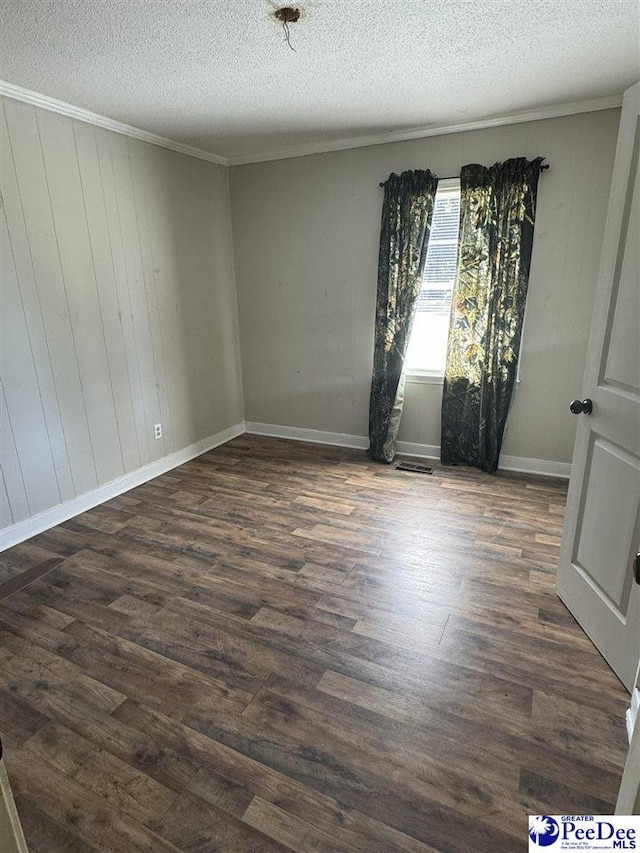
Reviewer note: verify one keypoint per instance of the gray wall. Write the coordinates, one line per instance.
(306, 245)
(118, 303)
(118, 307)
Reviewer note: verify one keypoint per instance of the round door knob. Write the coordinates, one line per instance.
(581, 407)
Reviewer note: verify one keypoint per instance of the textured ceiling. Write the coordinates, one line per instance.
(217, 75)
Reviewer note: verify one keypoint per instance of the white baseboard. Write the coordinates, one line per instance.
(422, 451)
(22, 530)
(527, 465)
(315, 436)
(522, 464)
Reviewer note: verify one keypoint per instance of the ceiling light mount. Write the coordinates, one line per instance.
(287, 15)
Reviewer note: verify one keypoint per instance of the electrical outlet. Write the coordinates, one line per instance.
(157, 431)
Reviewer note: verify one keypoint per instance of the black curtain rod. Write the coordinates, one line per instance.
(455, 177)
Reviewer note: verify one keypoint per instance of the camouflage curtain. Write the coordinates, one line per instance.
(497, 212)
(406, 219)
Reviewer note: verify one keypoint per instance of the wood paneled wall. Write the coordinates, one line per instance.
(118, 307)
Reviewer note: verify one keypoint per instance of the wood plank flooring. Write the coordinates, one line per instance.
(281, 646)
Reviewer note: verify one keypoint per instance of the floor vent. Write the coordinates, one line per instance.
(415, 469)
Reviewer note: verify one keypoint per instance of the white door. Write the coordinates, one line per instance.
(602, 528)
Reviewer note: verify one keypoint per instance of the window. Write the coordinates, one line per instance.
(427, 351)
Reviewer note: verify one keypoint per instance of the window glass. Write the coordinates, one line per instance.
(427, 350)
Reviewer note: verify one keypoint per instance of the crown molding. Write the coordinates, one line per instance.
(9, 90)
(537, 114)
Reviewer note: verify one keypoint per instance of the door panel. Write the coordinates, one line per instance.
(620, 370)
(612, 493)
(602, 527)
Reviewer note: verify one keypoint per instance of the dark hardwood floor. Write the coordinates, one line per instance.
(281, 646)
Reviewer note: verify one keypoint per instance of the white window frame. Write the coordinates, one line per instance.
(421, 376)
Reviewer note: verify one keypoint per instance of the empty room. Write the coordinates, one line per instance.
(320, 437)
